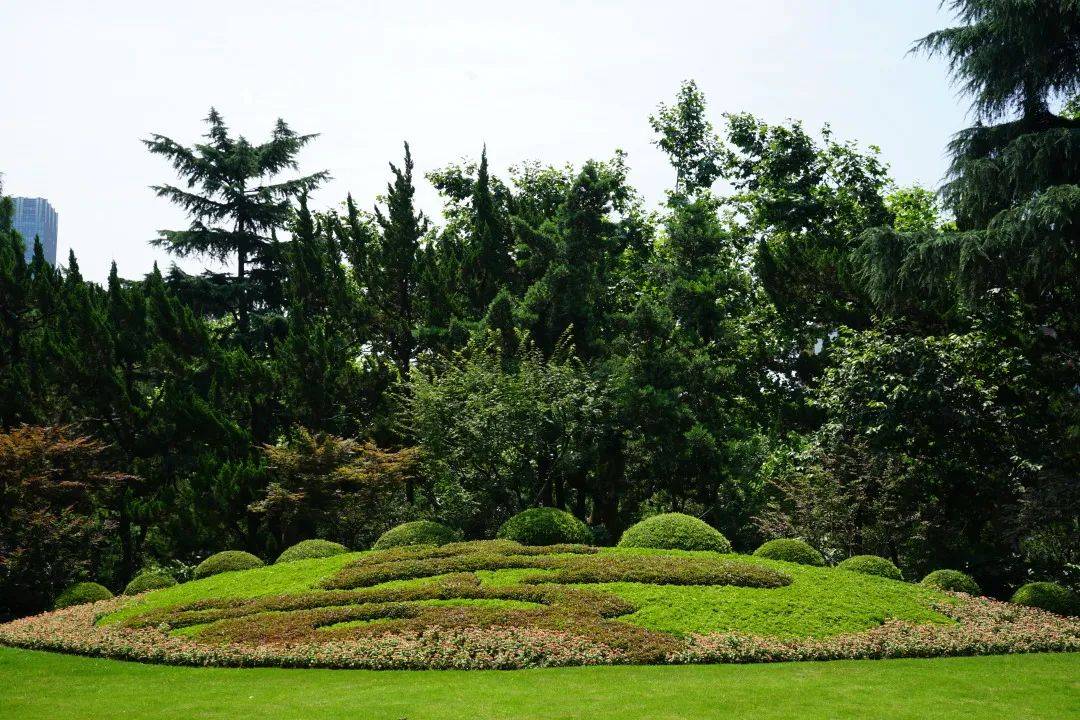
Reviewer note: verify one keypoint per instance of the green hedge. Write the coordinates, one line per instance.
(871, 565)
(308, 549)
(952, 581)
(545, 526)
(1048, 596)
(226, 561)
(149, 580)
(675, 531)
(790, 550)
(418, 532)
(79, 593)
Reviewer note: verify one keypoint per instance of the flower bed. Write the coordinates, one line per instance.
(983, 627)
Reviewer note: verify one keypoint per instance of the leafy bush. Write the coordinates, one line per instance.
(226, 561)
(871, 565)
(79, 593)
(790, 550)
(545, 526)
(51, 483)
(952, 581)
(675, 531)
(418, 532)
(1048, 596)
(149, 580)
(308, 549)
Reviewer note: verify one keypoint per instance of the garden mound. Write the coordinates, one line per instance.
(500, 604)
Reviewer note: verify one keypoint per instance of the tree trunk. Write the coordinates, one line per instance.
(127, 548)
(242, 309)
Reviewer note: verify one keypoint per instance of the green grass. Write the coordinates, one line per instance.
(819, 602)
(292, 577)
(45, 686)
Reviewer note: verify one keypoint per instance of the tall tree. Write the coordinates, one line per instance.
(235, 204)
(396, 266)
(487, 263)
(686, 135)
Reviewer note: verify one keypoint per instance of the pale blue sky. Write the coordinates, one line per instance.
(553, 81)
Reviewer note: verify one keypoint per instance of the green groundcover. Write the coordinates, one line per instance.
(44, 686)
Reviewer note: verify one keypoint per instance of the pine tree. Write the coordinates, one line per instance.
(235, 206)
(487, 263)
(395, 269)
(1014, 181)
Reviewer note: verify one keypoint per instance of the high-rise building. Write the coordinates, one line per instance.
(35, 217)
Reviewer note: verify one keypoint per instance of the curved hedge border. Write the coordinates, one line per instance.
(790, 550)
(545, 526)
(565, 563)
(227, 561)
(674, 531)
(311, 549)
(872, 565)
(417, 532)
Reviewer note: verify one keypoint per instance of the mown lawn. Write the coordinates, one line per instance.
(45, 686)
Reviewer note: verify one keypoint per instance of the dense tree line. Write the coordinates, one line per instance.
(815, 352)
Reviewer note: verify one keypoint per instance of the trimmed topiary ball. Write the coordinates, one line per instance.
(225, 562)
(790, 550)
(149, 580)
(79, 593)
(1048, 596)
(871, 565)
(675, 531)
(952, 581)
(308, 549)
(545, 526)
(418, 532)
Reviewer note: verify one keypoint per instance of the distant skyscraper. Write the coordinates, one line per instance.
(35, 217)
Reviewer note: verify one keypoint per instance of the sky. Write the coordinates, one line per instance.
(555, 81)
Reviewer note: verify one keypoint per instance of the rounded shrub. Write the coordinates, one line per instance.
(871, 565)
(417, 532)
(149, 580)
(952, 581)
(226, 561)
(79, 593)
(309, 549)
(1048, 596)
(790, 550)
(545, 526)
(674, 531)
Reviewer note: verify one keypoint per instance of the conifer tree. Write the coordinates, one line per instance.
(395, 269)
(488, 262)
(235, 204)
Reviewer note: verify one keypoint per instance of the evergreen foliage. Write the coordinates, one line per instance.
(309, 549)
(790, 550)
(871, 565)
(226, 561)
(674, 531)
(149, 580)
(1048, 596)
(417, 532)
(79, 593)
(810, 352)
(545, 526)
(953, 581)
